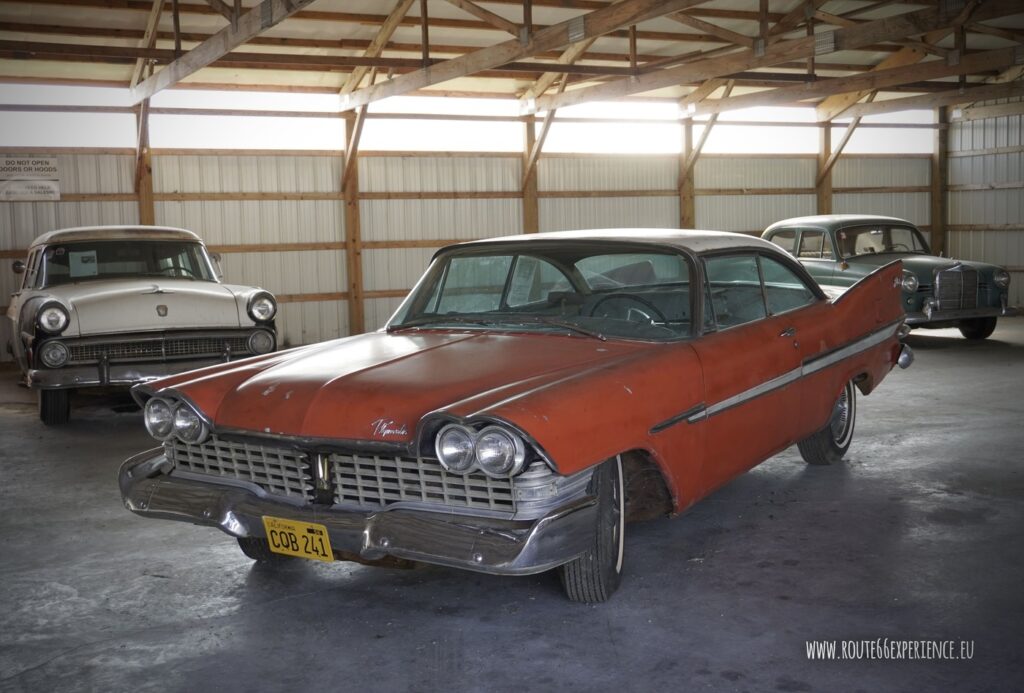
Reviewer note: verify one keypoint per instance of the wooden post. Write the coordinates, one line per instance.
(687, 204)
(144, 166)
(939, 180)
(823, 188)
(531, 210)
(353, 239)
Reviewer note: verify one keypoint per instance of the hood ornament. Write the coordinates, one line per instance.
(157, 290)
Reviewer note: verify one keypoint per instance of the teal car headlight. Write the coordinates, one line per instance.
(1001, 278)
(910, 282)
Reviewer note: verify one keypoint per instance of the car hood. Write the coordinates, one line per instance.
(924, 266)
(133, 305)
(378, 386)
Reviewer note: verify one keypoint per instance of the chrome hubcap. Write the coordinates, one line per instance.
(841, 416)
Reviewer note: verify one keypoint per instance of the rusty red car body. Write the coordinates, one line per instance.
(640, 422)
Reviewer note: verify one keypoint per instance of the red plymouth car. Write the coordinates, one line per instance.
(529, 397)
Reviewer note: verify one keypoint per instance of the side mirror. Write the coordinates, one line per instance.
(217, 268)
(18, 267)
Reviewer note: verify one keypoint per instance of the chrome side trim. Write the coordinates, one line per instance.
(808, 367)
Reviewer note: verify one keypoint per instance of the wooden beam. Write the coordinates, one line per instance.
(823, 188)
(377, 45)
(254, 22)
(176, 25)
(353, 240)
(144, 166)
(531, 208)
(792, 19)
(888, 29)
(713, 29)
(687, 196)
(944, 98)
(148, 39)
(568, 57)
(997, 111)
(577, 29)
(939, 178)
(495, 20)
(864, 83)
(833, 157)
(221, 7)
(694, 154)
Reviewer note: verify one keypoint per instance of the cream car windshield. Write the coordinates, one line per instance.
(879, 238)
(593, 292)
(68, 263)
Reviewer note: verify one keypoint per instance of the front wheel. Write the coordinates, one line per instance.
(830, 443)
(978, 328)
(54, 407)
(594, 576)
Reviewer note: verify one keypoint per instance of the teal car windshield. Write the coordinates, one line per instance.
(593, 291)
(879, 238)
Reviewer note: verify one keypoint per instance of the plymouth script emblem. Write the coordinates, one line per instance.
(382, 428)
(161, 310)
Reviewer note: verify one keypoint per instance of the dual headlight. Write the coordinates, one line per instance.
(493, 450)
(1001, 278)
(262, 307)
(165, 419)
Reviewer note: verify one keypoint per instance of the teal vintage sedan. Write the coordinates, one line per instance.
(840, 249)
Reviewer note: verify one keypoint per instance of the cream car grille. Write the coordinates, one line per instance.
(957, 289)
(278, 471)
(162, 348)
(372, 482)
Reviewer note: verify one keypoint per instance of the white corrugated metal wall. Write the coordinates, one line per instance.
(986, 196)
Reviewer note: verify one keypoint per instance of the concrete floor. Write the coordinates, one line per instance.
(917, 535)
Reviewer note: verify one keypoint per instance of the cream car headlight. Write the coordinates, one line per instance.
(188, 426)
(159, 418)
(261, 342)
(1001, 278)
(498, 452)
(262, 307)
(53, 354)
(52, 318)
(454, 446)
(910, 282)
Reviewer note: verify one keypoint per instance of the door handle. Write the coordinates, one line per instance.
(788, 332)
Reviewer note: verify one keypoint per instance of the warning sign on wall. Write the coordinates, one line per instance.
(29, 178)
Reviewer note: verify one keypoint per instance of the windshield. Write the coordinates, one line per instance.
(879, 238)
(66, 263)
(585, 290)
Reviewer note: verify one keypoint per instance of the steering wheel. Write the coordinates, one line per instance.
(654, 311)
(172, 270)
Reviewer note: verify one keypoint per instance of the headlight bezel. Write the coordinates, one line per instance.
(257, 298)
(58, 308)
(249, 343)
(1001, 278)
(910, 282)
(47, 346)
(472, 437)
(170, 407)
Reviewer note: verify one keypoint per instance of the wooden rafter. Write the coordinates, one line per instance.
(713, 29)
(378, 43)
(888, 29)
(148, 38)
(793, 19)
(222, 8)
(945, 98)
(596, 23)
(254, 22)
(495, 20)
(834, 155)
(568, 57)
(864, 83)
(694, 153)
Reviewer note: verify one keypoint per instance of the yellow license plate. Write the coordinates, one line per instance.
(295, 538)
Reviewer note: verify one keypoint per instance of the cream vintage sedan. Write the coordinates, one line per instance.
(119, 305)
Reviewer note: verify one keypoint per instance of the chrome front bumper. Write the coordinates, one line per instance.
(920, 318)
(99, 375)
(486, 545)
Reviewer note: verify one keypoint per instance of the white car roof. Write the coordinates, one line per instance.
(114, 233)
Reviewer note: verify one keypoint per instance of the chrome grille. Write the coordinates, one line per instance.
(371, 482)
(158, 348)
(956, 288)
(278, 471)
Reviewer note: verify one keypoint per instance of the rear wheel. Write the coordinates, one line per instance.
(54, 407)
(594, 576)
(978, 328)
(258, 549)
(830, 443)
